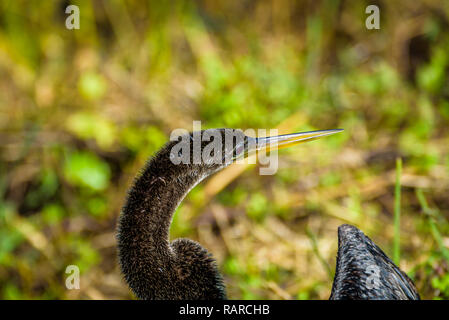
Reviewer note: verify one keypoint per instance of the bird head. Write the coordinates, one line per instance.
(213, 149)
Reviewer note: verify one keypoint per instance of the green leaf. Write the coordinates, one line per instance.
(86, 170)
(91, 85)
(53, 213)
(257, 206)
(92, 126)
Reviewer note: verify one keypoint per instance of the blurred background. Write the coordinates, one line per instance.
(82, 110)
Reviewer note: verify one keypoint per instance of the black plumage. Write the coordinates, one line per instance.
(364, 271)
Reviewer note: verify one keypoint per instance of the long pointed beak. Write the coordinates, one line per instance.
(288, 140)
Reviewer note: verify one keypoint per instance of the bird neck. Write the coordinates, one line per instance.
(152, 202)
(153, 267)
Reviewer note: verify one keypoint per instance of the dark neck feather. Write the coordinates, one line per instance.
(153, 267)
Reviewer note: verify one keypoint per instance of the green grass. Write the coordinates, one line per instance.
(431, 216)
(397, 213)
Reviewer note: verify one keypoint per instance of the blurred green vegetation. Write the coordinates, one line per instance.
(81, 111)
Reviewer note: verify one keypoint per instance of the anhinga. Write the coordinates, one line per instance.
(156, 268)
